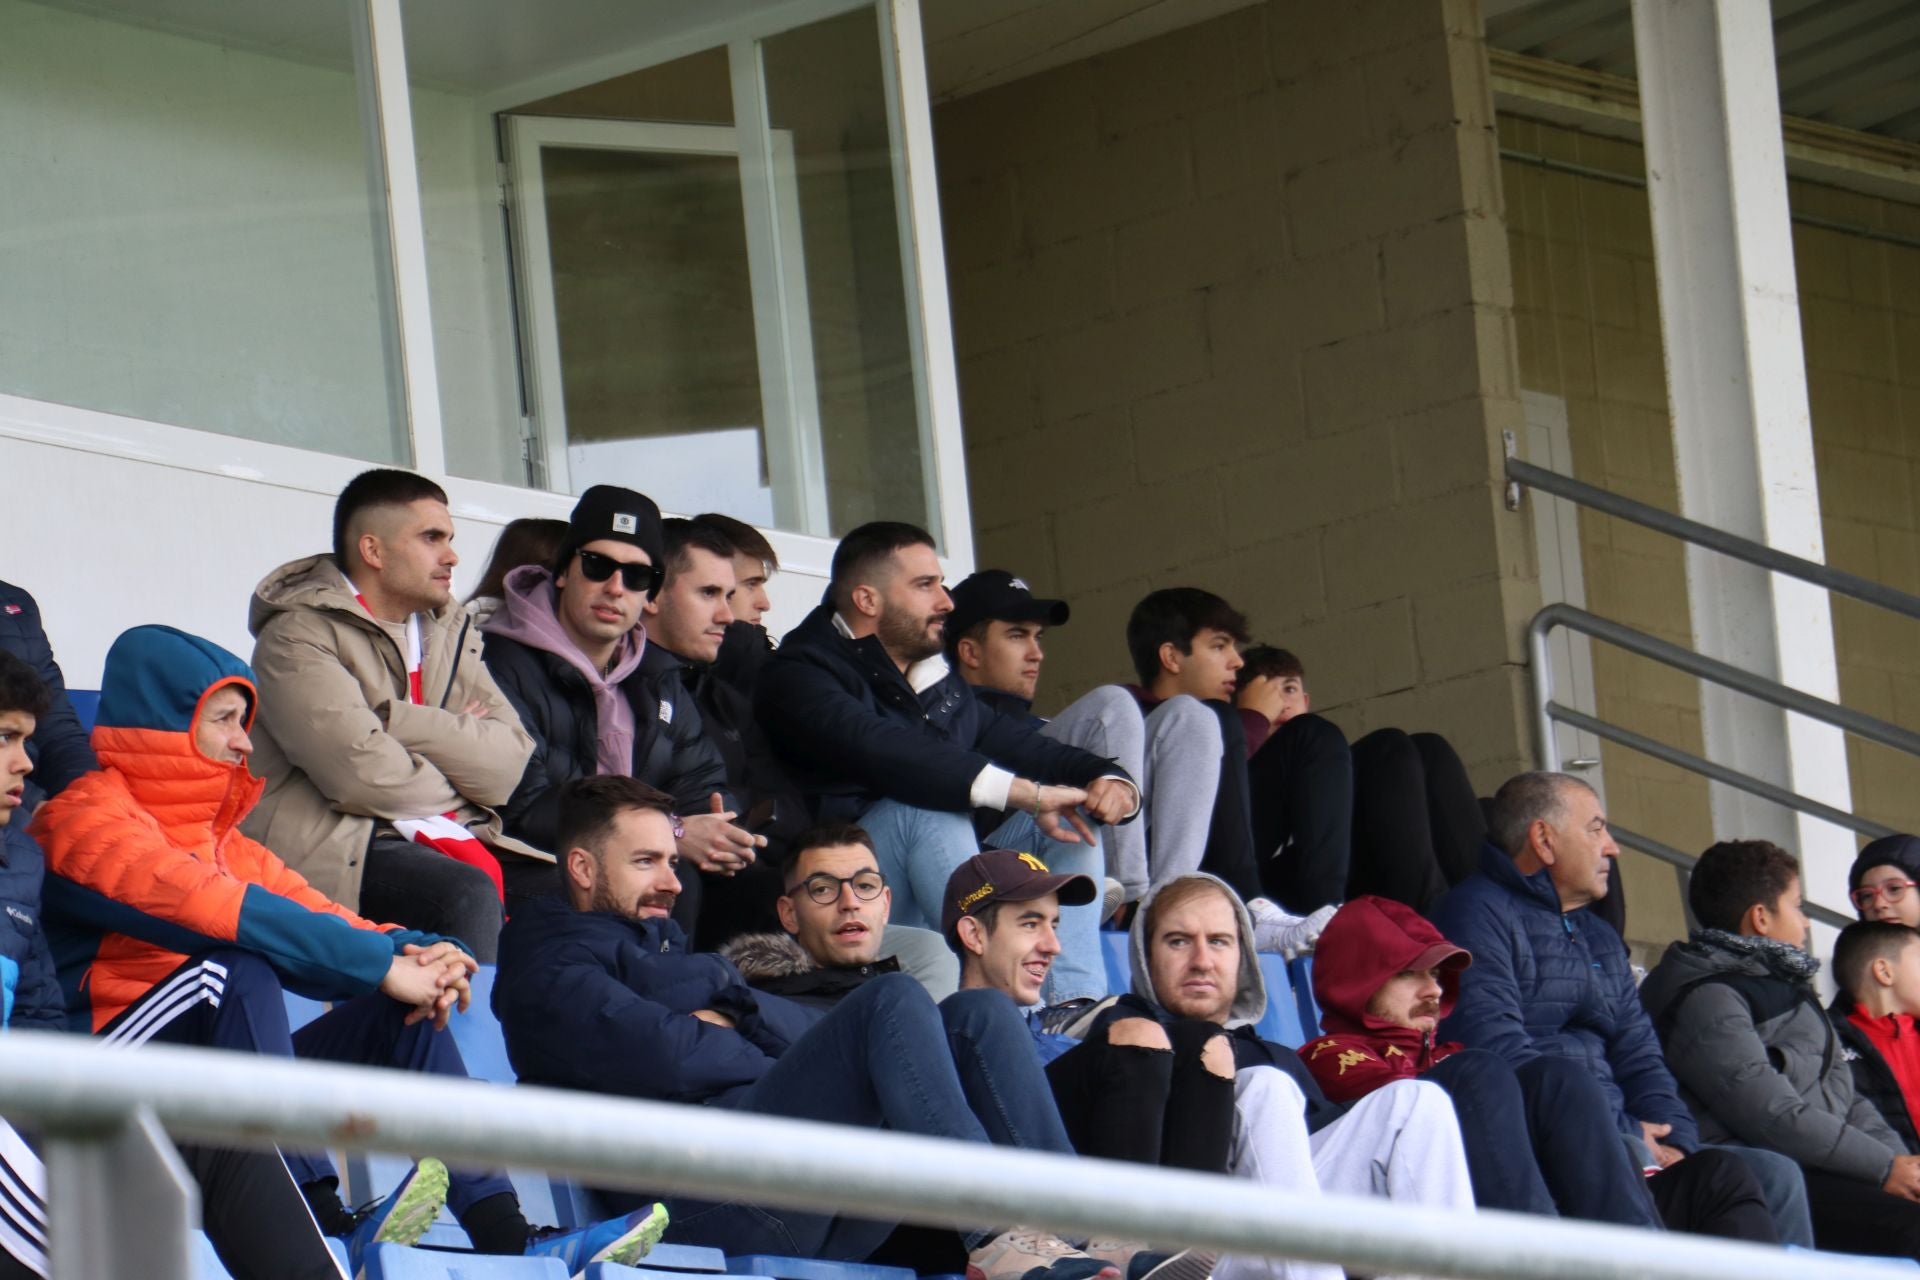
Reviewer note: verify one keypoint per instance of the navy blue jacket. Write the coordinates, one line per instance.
(29, 989)
(1556, 984)
(852, 731)
(593, 1000)
(59, 744)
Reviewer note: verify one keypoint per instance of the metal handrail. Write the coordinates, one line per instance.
(1547, 712)
(82, 1093)
(1705, 535)
(1673, 857)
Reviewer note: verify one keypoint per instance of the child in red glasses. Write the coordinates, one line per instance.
(1881, 883)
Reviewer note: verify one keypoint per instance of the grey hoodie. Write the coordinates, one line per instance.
(1249, 1004)
(1249, 999)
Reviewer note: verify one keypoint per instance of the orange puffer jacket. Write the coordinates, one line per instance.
(146, 866)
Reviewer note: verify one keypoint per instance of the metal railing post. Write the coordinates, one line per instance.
(120, 1202)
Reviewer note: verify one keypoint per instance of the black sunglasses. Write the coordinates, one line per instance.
(595, 567)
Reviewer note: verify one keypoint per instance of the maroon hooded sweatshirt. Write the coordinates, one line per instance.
(1367, 942)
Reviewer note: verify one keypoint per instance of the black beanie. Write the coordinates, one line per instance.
(606, 511)
(1888, 851)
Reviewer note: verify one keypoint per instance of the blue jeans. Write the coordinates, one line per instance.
(1785, 1188)
(887, 1056)
(918, 849)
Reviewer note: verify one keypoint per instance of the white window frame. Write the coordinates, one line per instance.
(380, 74)
(783, 335)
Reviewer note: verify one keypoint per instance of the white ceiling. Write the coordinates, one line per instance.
(491, 46)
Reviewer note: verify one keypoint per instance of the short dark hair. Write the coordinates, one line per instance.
(528, 540)
(680, 538)
(746, 540)
(380, 487)
(1521, 801)
(989, 918)
(826, 835)
(1863, 942)
(21, 688)
(588, 807)
(1272, 662)
(865, 549)
(1735, 875)
(1175, 615)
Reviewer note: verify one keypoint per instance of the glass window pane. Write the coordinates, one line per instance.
(824, 89)
(186, 225)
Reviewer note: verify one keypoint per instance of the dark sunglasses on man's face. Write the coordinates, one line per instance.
(824, 889)
(595, 567)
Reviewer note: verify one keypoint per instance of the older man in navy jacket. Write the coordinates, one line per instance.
(876, 728)
(1549, 978)
(600, 993)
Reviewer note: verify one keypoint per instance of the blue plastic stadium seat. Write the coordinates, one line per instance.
(762, 1264)
(483, 1047)
(206, 1263)
(614, 1271)
(1281, 1022)
(1301, 970)
(86, 705)
(300, 1010)
(392, 1262)
(1113, 945)
(684, 1257)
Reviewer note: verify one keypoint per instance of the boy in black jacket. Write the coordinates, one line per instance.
(1877, 965)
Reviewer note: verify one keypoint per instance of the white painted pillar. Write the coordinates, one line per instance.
(1736, 378)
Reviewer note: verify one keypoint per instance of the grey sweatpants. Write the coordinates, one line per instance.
(1174, 754)
(1400, 1142)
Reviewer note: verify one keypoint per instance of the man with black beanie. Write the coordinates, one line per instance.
(566, 648)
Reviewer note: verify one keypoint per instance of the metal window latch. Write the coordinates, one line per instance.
(1510, 447)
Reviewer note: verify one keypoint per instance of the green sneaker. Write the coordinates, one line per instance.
(404, 1216)
(622, 1240)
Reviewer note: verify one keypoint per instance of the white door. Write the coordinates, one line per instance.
(667, 344)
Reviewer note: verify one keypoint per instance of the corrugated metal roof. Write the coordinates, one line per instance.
(1854, 64)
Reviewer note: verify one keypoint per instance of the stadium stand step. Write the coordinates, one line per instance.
(763, 1264)
(395, 1262)
(614, 1271)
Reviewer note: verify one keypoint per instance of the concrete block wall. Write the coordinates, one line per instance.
(1588, 325)
(1232, 310)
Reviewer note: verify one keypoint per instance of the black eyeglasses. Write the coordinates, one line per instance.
(825, 889)
(595, 567)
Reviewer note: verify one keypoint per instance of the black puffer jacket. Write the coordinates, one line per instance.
(670, 747)
(852, 730)
(1873, 1079)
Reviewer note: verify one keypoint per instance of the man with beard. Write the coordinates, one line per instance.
(876, 728)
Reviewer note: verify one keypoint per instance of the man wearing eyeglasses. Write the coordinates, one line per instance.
(836, 936)
(566, 646)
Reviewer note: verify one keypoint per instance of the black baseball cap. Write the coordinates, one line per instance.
(1001, 875)
(997, 596)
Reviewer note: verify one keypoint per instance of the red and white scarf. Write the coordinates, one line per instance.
(441, 832)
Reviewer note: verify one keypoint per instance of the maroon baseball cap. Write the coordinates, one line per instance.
(1001, 875)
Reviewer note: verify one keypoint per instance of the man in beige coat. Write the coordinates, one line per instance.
(384, 742)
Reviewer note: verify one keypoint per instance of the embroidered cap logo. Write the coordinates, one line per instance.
(625, 522)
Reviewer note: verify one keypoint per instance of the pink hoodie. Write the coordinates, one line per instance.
(527, 614)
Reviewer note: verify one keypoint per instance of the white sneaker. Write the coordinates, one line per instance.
(1288, 935)
(1021, 1251)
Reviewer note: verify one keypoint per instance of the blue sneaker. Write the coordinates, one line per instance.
(622, 1240)
(404, 1216)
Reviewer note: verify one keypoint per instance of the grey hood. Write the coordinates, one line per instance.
(1250, 996)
